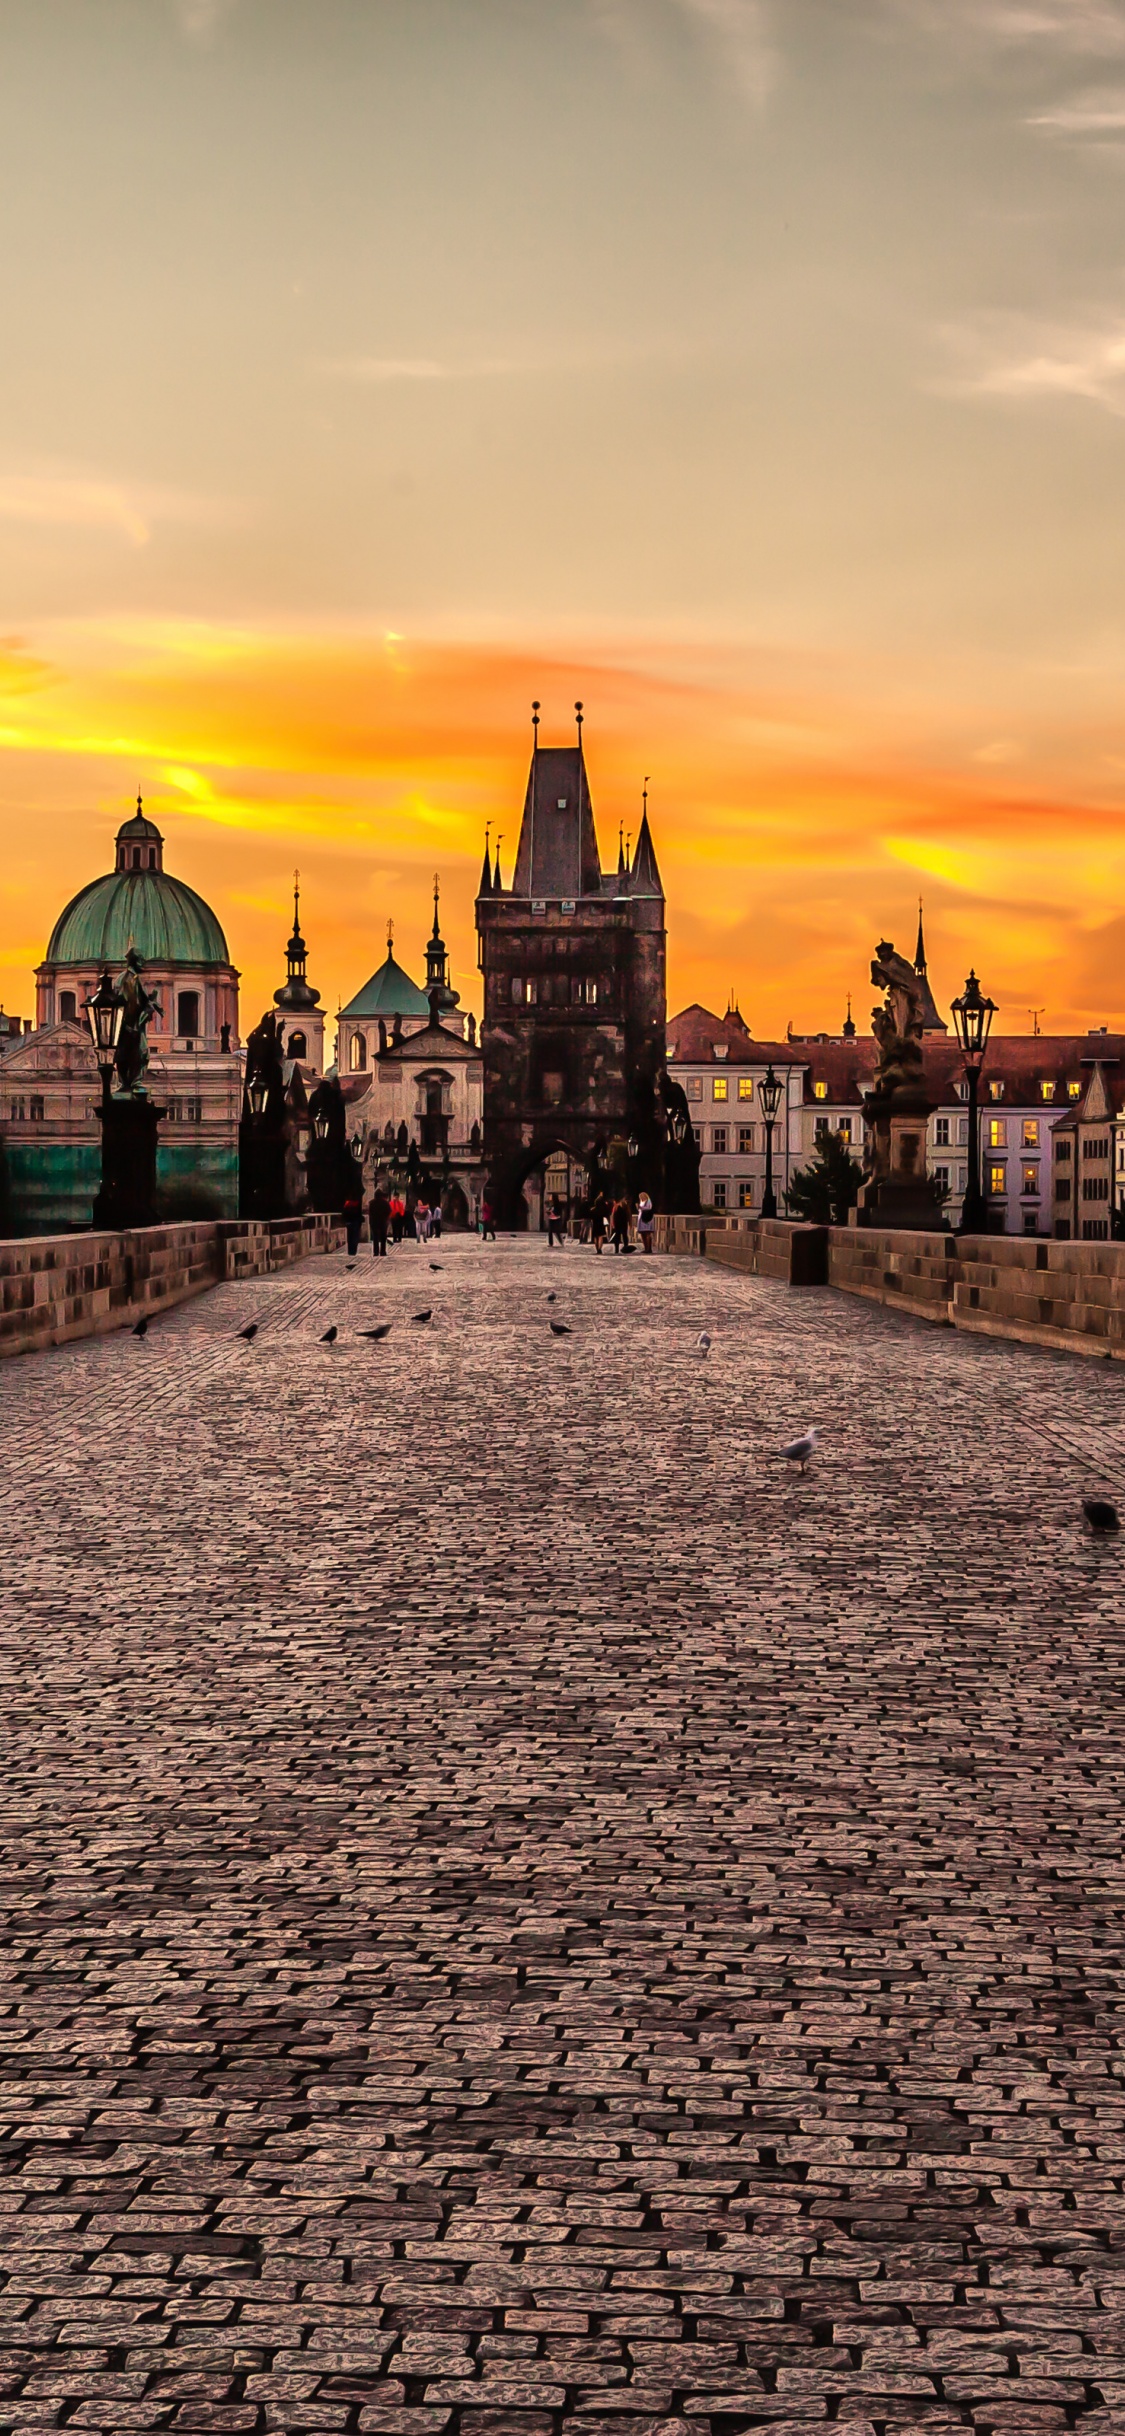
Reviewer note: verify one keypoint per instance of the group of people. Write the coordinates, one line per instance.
(389, 1214)
(606, 1219)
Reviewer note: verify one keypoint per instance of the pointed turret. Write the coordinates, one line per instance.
(485, 888)
(437, 965)
(644, 876)
(557, 854)
(931, 1020)
(297, 997)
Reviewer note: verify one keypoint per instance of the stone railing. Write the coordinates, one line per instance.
(57, 1286)
(1068, 1295)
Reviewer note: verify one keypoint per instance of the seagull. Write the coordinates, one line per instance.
(559, 1328)
(421, 1317)
(248, 1334)
(1101, 1516)
(330, 1335)
(141, 1328)
(703, 1343)
(376, 1333)
(801, 1449)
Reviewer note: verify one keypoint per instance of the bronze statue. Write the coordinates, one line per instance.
(130, 1057)
(681, 1150)
(898, 1023)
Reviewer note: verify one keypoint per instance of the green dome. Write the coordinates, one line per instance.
(390, 991)
(161, 917)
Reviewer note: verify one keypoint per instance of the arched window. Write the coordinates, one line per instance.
(298, 1046)
(136, 858)
(188, 1024)
(68, 1007)
(358, 1053)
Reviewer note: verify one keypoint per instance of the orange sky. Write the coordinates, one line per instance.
(753, 369)
(798, 806)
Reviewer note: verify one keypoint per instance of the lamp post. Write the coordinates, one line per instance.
(257, 1092)
(104, 1012)
(769, 1092)
(973, 1015)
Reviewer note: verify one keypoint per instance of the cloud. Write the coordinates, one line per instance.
(1100, 113)
(76, 500)
(1094, 28)
(739, 29)
(1026, 361)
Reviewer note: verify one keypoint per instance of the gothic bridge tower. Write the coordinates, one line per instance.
(573, 960)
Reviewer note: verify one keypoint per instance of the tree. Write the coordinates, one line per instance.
(828, 1188)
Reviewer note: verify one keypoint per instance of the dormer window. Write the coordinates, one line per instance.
(820, 1091)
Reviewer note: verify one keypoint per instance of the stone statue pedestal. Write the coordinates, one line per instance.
(127, 1196)
(899, 1193)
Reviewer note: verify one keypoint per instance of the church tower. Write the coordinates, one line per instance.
(573, 959)
(298, 1002)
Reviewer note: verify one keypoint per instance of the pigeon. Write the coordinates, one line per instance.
(248, 1334)
(436, 1264)
(552, 1298)
(1101, 1516)
(350, 1264)
(330, 1335)
(703, 1343)
(801, 1449)
(559, 1328)
(376, 1333)
(421, 1317)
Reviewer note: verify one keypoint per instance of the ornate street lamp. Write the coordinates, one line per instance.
(769, 1092)
(257, 1092)
(973, 1015)
(104, 1012)
(632, 1147)
(322, 1122)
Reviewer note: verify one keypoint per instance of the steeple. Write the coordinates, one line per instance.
(849, 1027)
(485, 888)
(931, 1020)
(437, 965)
(557, 854)
(644, 876)
(297, 997)
(920, 950)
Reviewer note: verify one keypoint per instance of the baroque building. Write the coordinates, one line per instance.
(412, 1078)
(573, 1033)
(50, 1147)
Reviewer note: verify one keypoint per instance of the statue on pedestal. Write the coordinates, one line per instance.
(898, 1192)
(131, 1054)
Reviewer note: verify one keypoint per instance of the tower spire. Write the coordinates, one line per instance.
(497, 884)
(920, 950)
(485, 889)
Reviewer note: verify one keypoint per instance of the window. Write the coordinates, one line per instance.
(962, 1091)
(997, 1090)
(745, 1140)
(1074, 1091)
(822, 1127)
(844, 1129)
(1095, 1230)
(17, 1112)
(998, 1179)
(298, 1045)
(1062, 1150)
(697, 1136)
(719, 1193)
(188, 1023)
(719, 1087)
(136, 858)
(517, 990)
(719, 1140)
(997, 1133)
(357, 1053)
(1030, 1183)
(68, 1007)
(746, 1192)
(695, 1087)
(1031, 1222)
(962, 1178)
(820, 1091)
(941, 1133)
(1046, 1090)
(1095, 1188)
(1031, 1133)
(962, 1129)
(746, 1086)
(1062, 1188)
(525, 991)
(1096, 1149)
(191, 1111)
(941, 1179)
(35, 1111)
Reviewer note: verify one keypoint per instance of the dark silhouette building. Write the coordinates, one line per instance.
(574, 1001)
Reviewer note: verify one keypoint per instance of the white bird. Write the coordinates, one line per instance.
(703, 1343)
(801, 1449)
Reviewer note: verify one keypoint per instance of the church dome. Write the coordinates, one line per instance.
(390, 991)
(140, 905)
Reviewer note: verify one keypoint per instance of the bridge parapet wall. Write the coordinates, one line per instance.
(54, 1287)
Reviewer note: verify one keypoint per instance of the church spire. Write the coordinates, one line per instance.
(485, 889)
(920, 950)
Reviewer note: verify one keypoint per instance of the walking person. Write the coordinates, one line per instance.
(646, 1222)
(487, 1221)
(353, 1219)
(619, 1223)
(398, 1213)
(379, 1214)
(555, 1223)
(422, 1220)
(435, 1221)
(598, 1224)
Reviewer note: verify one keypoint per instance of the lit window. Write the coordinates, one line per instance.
(997, 1090)
(745, 1139)
(719, 1087)
(941, 1132)
(531, 991)
(844, 1129)
(746, 1192)
(719, 1193)
(719, 1140)
(746, 1086)
(1074, 1091)
(997, 1179)
(997, 1133)
(1031, 1133)
(1030, 1182)
(1046, 1091)
(820, 1091)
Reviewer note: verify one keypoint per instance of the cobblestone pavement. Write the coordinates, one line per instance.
(523, 1916)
